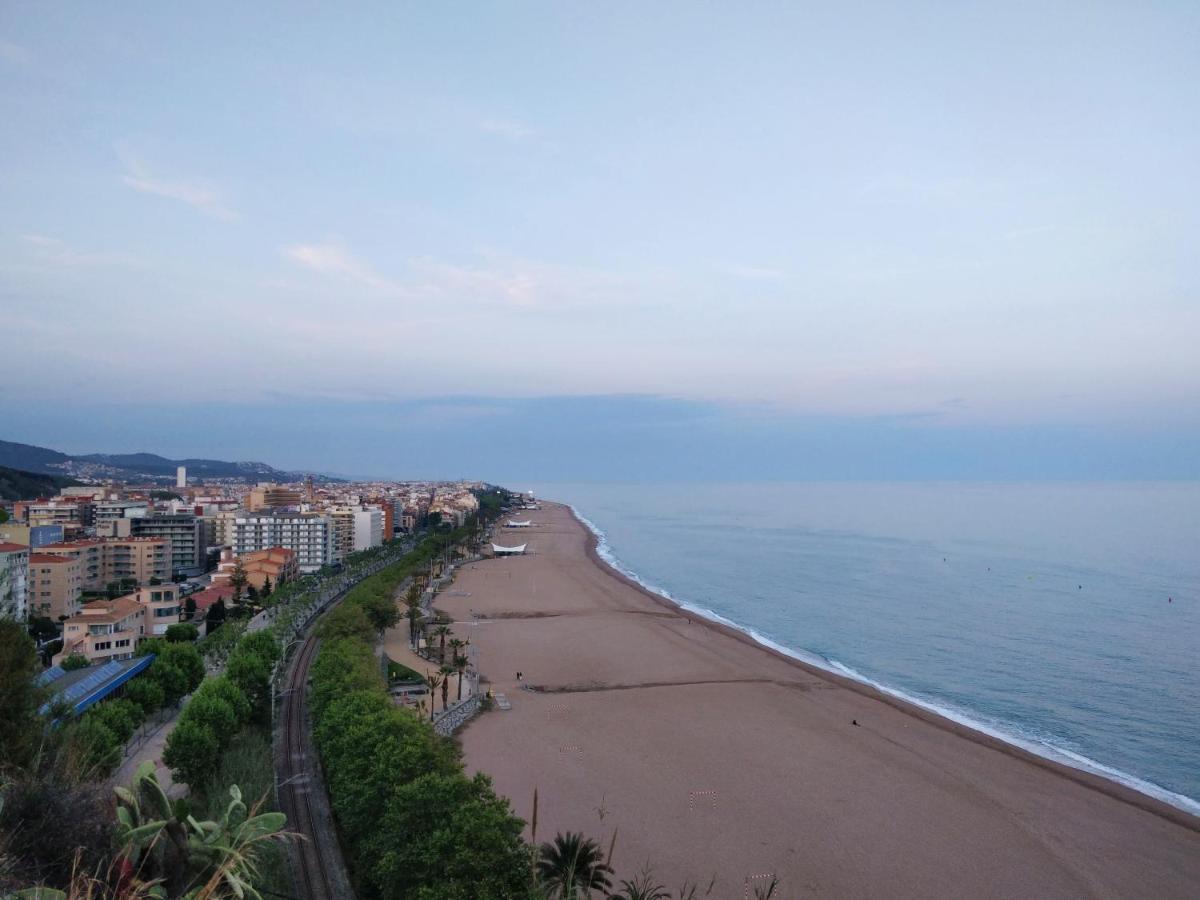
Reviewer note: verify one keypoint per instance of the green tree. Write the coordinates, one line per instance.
(119, 715)
(171, 680)
(238, 579)
(146, 693)
(192, 751)
(216, 616)
(20, 696)
(251, 674)
(189, 607)
(459, 841)
(41, 628)
(181, 632)
(460, 666)
(347, 621)
(441, 633)
(381, 611)
(366, 742)
(445, 672)
(75, 661)
(572, 866)
(266, 588)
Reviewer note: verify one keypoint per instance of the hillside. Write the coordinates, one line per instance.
(138, 466)
(18, 485)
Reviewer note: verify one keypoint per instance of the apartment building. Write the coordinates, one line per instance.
(111, 629)
(310, 535)
(272, 496)
(14, 581)
(55, 585)
(279, 564)
(185, 531)
(109, 510)
(110, 559)
(31, 536)
(58, 512)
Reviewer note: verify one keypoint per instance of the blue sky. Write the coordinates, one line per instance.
(864, 240)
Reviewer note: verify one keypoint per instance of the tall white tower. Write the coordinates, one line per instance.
(181, 476)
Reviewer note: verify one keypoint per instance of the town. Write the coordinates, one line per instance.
(97, 568)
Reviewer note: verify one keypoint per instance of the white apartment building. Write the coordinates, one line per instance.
(14, 581)
(368, 528)
(310, 535)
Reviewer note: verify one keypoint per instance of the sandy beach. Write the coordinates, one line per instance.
(710, 755)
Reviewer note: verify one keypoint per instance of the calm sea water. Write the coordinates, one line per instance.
(1038, 613)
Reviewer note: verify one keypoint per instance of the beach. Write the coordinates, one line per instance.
(710, 755)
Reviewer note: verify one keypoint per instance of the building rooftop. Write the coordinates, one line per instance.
(12, 548)
(84, 687)
(48, 558)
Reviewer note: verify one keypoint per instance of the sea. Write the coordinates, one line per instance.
(1063, 618)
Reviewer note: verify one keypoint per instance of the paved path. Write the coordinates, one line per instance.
(152, 749)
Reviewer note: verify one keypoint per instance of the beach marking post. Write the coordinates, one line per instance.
(762, 876)
(692, 795)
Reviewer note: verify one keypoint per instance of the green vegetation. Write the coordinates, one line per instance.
(571, 866)
(16, 484)
(398, 672)
(220, 707)
(182, 632)
(74, 662)
(390, 775)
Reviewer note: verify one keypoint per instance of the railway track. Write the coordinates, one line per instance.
(312, 870)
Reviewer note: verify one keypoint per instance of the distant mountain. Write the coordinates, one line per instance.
(18, 485)
(139, 466)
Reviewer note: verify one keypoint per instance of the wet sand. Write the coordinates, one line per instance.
(711, 755)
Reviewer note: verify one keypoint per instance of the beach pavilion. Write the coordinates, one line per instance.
(508, 551)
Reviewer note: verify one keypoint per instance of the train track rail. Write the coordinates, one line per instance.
(299, 773)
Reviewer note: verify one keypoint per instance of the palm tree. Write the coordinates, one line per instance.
(434, 682)
(572, 866)
(413, 613)
(441, 632)
(460, 666)
(642, 887)
(445, 671)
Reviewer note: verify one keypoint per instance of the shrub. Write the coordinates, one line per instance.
(92, 748)
(75, 661)
(181, 632)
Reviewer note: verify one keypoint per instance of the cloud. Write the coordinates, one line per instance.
(332, 259)
(53, 250)
(12, 53)
(199, 195)
(505, 128)
(498, 281)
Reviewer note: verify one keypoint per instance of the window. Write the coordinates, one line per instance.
(103, 645)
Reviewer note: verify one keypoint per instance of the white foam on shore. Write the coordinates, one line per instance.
(1009, 734)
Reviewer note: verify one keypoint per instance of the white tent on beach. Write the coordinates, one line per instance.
(526, 524)
(508, 551)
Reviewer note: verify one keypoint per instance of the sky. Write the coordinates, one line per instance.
(606, 241)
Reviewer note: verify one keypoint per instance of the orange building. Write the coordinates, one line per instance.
(112, 629)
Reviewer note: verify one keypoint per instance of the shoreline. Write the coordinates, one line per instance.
(1095, 781)
(628, 713)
